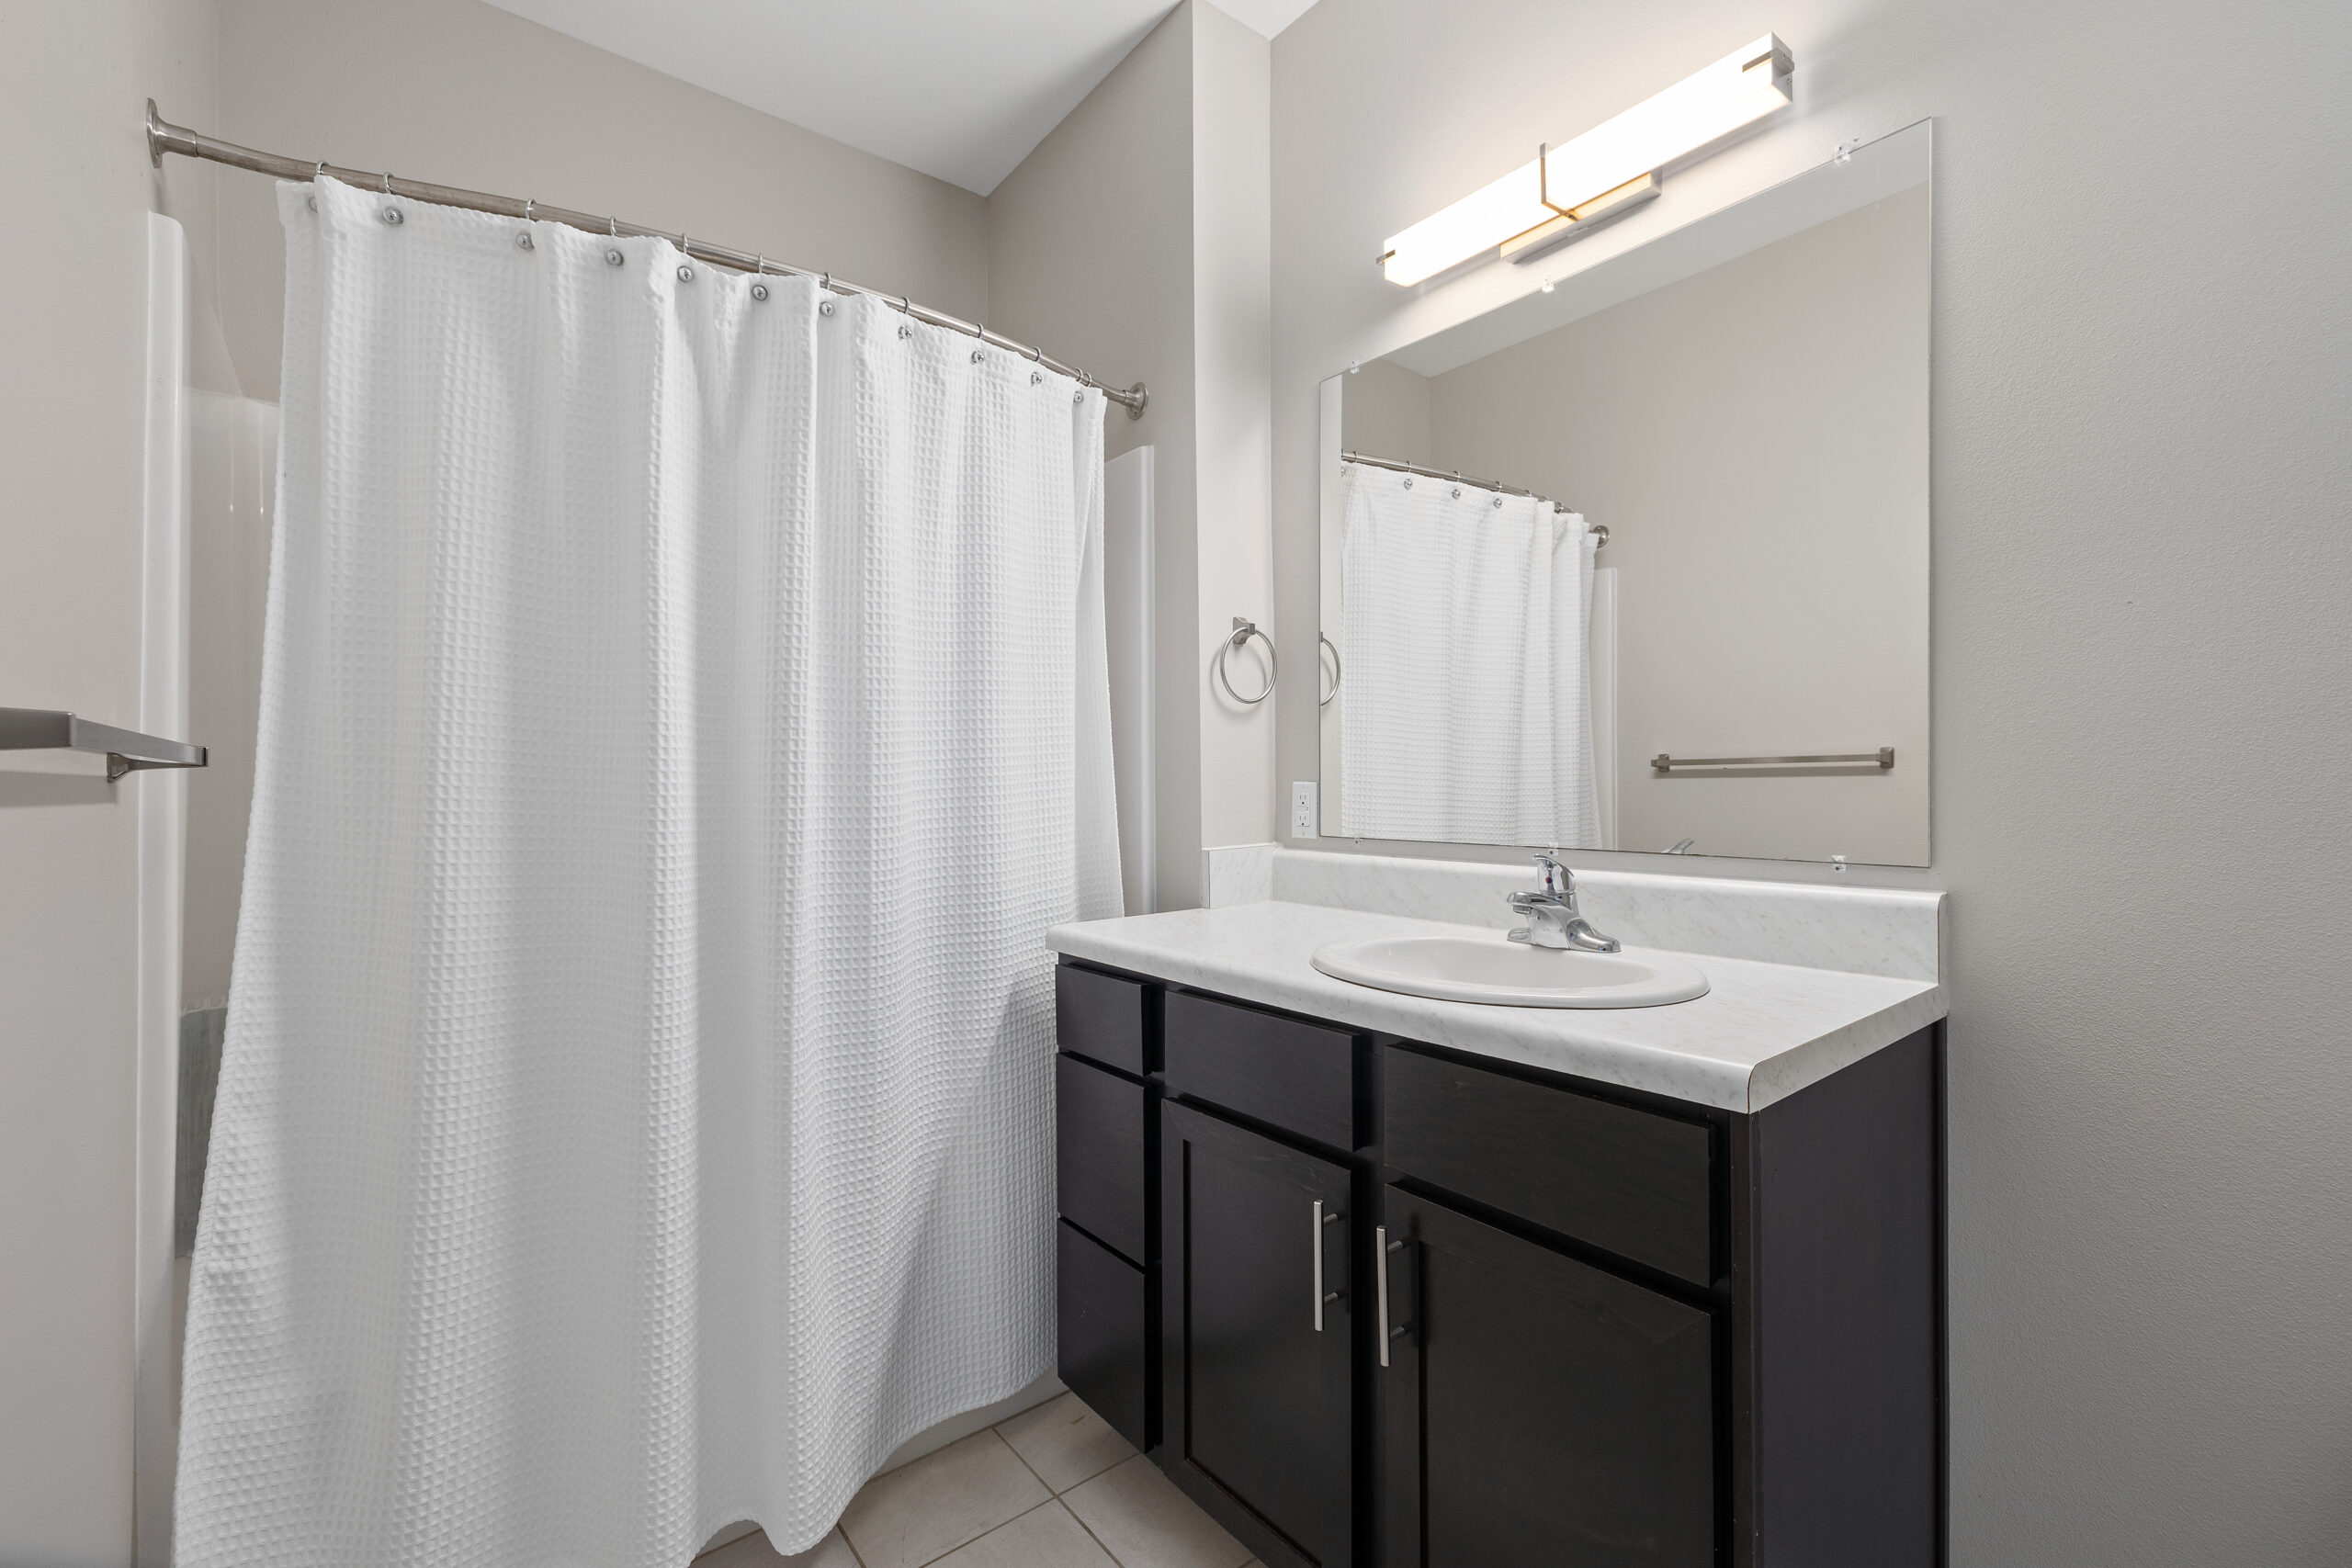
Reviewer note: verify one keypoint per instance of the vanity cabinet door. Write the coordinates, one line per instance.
(1258, 1332)
(1537, 1411)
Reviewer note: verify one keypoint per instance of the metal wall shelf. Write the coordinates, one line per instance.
(125, 751)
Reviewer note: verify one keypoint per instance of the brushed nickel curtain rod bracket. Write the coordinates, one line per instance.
(164, 137)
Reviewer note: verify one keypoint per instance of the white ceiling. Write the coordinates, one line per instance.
(960, 91)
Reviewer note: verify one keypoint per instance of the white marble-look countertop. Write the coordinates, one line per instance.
(1763, 1030)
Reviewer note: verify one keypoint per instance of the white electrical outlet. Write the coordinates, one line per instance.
(1302, 809)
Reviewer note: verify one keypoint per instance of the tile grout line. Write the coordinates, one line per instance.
(1051, 1496)
(999, 1430)
(1056, 1497)
(1097, 1539)
(1016, 1519)
(1041, 1480)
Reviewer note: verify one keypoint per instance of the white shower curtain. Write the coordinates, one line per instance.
(684, 713)
(1466, 711)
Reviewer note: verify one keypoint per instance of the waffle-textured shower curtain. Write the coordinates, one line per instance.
(684, 712)
(1466, 710)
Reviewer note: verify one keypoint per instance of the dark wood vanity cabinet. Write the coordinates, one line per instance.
(1107, 1248)
(1258, 1335)
(1405, 1307)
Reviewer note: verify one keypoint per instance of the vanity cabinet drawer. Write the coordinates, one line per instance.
(1101, 1017)
(1098, 1155)
(1298, 1077)
(1627, 1180)
(1103, 1349)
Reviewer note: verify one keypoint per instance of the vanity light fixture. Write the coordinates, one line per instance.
(1572, 189)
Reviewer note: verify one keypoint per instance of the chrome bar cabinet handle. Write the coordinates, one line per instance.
(1321, 1296)
(1381, 1251)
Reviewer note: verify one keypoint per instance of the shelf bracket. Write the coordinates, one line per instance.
(125, 751)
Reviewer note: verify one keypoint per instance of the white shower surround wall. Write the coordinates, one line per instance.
(622, 1132)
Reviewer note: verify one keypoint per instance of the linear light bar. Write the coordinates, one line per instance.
(1560, 191)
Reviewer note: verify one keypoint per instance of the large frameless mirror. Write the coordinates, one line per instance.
(1639, 560)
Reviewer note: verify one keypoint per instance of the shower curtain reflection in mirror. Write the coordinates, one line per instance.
(1468, 702)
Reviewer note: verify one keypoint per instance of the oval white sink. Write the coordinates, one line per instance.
(1510, 974)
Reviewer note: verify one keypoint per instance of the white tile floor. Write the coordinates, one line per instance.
(1053, 1487)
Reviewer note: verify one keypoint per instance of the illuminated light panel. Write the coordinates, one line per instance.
(1737, 90)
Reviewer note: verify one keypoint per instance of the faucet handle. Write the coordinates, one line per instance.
(1557, 878)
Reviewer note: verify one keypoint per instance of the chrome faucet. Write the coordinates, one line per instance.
(1552, 917)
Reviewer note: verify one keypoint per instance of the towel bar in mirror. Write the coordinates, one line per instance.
(1884, 757)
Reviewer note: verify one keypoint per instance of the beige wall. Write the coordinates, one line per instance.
(1231, 306)
(1133, 241)
(1091, 250)
(459, 93)
(2143, 686)
(1387, 414)
(73, 78)
(1755, 439)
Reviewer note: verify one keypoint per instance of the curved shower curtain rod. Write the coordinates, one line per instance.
(164, 137)
(1600, 531)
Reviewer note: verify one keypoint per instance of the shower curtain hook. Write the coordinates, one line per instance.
(388, 182)
(319, 172)
(528, 203)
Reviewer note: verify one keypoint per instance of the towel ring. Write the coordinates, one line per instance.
(1325, 639)
(1243, 631)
